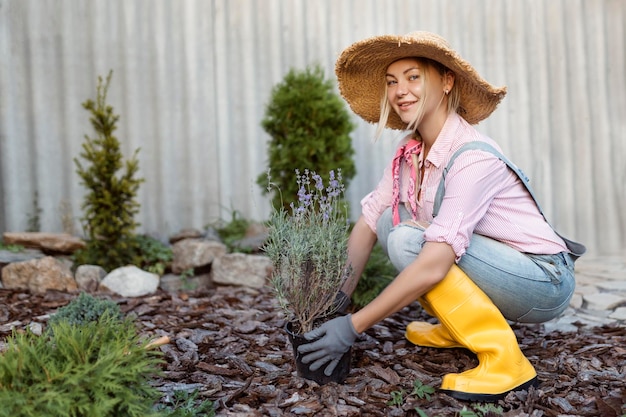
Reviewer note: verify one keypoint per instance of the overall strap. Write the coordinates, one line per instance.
(575, 248)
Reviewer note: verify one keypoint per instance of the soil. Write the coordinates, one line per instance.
(229, 344)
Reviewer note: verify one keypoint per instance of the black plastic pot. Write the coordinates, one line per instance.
(340, 372)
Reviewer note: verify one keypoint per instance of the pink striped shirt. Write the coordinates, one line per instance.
(482, 196)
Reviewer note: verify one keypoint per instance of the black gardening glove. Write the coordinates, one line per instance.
(335, 337)
(342, 302)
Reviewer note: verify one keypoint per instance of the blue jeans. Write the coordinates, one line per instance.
(526, 288)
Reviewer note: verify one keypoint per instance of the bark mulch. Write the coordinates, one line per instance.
(229, 344)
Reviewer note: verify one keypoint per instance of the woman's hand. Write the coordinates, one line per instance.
(335, 337)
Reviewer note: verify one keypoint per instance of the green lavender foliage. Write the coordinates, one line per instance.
(110, 204)
(310, 128)
(85, 309)
(98, 369)
(308, 248)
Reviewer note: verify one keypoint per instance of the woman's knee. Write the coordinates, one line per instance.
(404, 243)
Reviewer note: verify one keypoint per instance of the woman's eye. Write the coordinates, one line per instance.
(413, 77)
(391, 82)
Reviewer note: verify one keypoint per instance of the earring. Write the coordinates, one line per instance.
(445, 91)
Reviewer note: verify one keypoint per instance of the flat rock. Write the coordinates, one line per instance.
(51, 242)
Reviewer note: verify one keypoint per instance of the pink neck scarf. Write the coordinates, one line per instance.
(412, 147)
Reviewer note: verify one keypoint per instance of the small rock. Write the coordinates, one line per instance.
(171, 282)
(186, 234)
(248, 326)
(39, 275)
(186, 345)
(88, 277)
(267, 367)
(576, 301)
(7, 256)
(36, 328)
(130, 281)
(618, 314)
(242, 270)
(194, 253)
(8, 327)
(619, 286)
(604, 301)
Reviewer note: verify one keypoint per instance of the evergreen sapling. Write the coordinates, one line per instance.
(110, 204)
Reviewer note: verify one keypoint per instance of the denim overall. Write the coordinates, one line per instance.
(527, 288)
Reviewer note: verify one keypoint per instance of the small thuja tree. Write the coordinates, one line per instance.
(110, 205)
(310, 129)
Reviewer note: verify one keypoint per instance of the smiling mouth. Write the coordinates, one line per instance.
(406, 105)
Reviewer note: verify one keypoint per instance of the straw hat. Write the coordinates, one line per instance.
(361, 70)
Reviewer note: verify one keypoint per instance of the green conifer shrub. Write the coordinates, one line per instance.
(310, 129)
(110, 204)
(96, 369)
(85, 309)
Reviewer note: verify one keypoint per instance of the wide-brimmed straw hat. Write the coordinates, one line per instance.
(361, 70)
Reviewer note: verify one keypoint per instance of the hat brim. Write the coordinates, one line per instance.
(361, 70)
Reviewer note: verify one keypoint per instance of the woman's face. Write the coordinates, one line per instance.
(406, 88)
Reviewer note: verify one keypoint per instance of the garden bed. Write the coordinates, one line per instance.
(229, 344)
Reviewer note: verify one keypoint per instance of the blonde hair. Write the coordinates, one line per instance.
(454, 98)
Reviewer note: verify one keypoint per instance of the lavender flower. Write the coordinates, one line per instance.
(308, 247)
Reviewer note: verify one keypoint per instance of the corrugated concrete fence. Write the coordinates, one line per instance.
(191, 80)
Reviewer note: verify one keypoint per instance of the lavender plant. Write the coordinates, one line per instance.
(308, 247)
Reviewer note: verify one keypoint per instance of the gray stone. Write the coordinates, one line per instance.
(567, 324)
(8, 327)
(197, 282)
(186, 234)
(130, 281)
(175, 283)
(603, 301)
(619, 314)
(616, 286)
(36, 328)
(195, 253)
(88, 277)
(585, 289)
(171, 283)
(242, 270)
(7, 256)
(252, 243)
(39, 275)
(576, 301)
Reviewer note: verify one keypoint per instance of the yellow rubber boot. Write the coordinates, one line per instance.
(472, 320)
(422, 333)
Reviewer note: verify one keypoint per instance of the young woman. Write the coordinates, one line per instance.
(466, 235)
